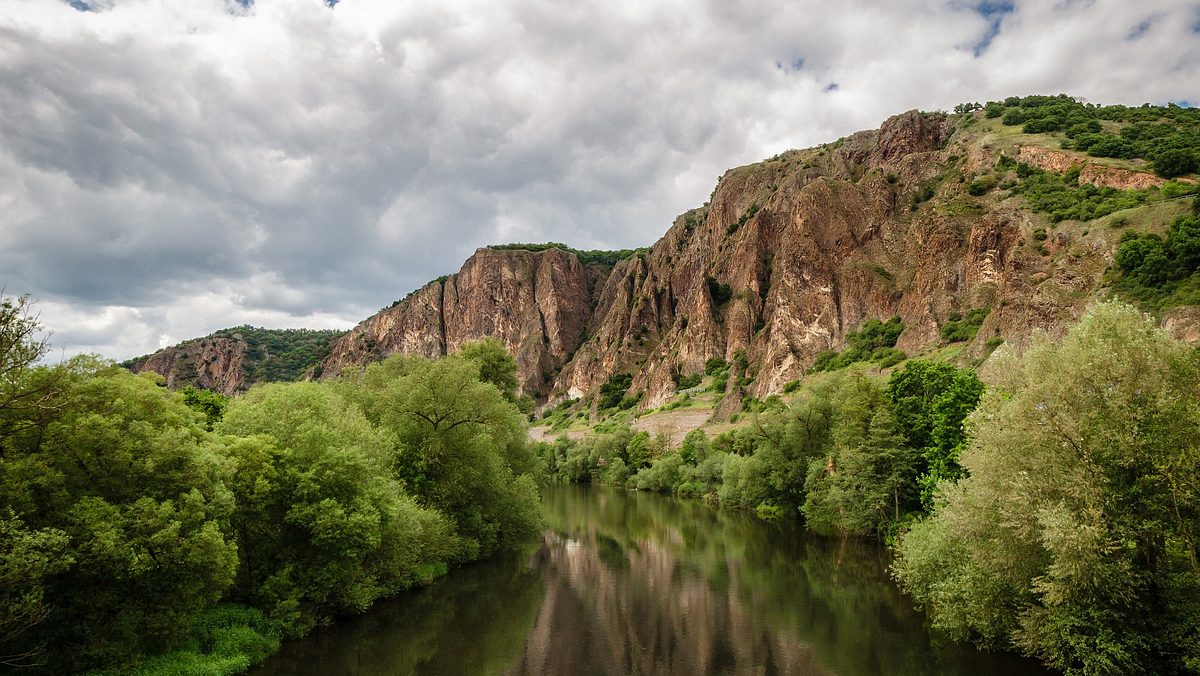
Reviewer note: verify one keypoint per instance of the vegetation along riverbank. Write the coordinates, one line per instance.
(1049, 504)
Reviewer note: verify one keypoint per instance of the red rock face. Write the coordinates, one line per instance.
(214, 364)
(811, 244)
(537, 303)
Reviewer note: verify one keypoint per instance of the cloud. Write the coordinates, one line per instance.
(167, 169)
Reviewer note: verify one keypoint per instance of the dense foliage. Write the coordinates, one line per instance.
(1162, 272)
(1074, 536)
(150, 531)
(959, 328)
(1167, 136)
(1063, 197)
(852, 457)
(874, 341)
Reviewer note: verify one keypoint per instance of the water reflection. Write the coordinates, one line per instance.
(641, 584)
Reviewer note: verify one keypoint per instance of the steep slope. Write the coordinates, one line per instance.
(812, 244)
(788, 257)
(231, 360)
(537, 302)
(926, 218)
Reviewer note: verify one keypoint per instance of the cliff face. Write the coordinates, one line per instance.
(216, 364)
(537, 303)
(814, 243)
(790, 255)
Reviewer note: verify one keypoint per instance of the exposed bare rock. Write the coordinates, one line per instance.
(1089, 172)
(911, 132)
(211, 363)
(809, 244)
(537, 303)
(1183, 323)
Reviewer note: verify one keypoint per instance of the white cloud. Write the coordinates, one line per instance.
(167, 169)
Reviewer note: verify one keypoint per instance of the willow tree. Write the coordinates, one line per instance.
(1074, 536)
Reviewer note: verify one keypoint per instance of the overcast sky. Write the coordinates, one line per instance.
(172, 167)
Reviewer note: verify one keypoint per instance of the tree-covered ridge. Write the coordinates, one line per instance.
(1168, 137)
(149, 531)
(272, 355)
(587, 257)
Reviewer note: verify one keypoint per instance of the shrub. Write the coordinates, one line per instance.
(612, 391)
(960, 329)
(721, 293)
(981, 185)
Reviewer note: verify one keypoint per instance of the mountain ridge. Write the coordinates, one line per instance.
(928, 217)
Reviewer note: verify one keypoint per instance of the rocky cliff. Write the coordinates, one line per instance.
(231, 360)
(538, 303)
(918, 219)
(810, 244)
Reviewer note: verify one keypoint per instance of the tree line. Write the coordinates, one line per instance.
(149, 531)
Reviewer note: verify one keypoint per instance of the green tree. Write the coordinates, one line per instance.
(29, 396)
(931, 401)
(323, 524)
(496, 365)
(126, 473)
(1074, 536)
(868, 479)
(211, 404)
(27, 559)
(461, 446)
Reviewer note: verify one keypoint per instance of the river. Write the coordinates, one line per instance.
(632, 583)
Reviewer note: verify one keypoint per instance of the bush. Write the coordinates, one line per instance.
(959, 329)
(875, 341)
(714, 365)
(1052, 194)
(981, 185)
(1162, 273)
(612, 391)
(721, 293)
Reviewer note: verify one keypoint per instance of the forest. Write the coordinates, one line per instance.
(1049, 504)
(146, 531)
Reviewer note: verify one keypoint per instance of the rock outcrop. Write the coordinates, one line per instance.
(538, 303)
(1089, 172)
(216, 364)
(789, 256)
(231, 360)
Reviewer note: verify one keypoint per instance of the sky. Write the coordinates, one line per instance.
(169, 168)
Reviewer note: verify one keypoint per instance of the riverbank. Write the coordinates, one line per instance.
(628, 582)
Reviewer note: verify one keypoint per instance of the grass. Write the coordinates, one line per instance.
(999, 136)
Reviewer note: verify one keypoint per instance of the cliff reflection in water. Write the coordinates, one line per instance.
(627, 583)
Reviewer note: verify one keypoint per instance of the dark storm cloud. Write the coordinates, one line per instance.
(167, 169)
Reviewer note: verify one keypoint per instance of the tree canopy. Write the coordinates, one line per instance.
(1074, 535)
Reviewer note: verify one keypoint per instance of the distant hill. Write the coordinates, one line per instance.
(231, 360)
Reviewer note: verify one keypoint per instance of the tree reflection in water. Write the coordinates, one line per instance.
(629, 583)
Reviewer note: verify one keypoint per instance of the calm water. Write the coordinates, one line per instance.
(630, 583)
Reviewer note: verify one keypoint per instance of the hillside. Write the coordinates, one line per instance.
(1000, 210)
(231, 360)
(969, 229)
